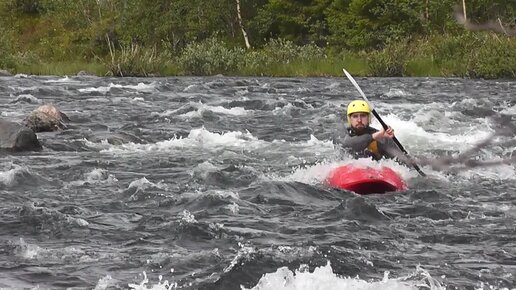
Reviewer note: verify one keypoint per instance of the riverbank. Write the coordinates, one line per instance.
(468, 55)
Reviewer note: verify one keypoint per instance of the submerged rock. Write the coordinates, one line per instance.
(117, 138)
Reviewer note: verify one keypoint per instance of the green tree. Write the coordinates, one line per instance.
(371, 23)
(300, 21)
(484, 10)
(178, 22)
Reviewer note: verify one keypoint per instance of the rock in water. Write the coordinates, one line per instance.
(46, 118)
(16, 137)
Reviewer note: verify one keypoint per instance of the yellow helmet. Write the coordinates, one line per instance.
(358, 106)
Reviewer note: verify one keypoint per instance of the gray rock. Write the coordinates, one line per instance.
(16, 137)
(46, 118)
(117, 138)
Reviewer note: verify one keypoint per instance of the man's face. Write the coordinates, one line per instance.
(359, 120)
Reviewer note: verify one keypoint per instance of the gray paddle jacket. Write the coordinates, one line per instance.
(357, 145)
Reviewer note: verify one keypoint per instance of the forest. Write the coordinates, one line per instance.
(460, 38)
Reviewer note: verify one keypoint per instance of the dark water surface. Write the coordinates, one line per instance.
(218, 183)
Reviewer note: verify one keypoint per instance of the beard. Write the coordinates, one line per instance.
(360, 129)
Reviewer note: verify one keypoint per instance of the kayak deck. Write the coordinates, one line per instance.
(366, 180)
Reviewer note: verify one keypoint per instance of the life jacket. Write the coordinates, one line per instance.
(373, 148)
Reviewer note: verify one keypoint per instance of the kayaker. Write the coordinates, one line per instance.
(361, 140)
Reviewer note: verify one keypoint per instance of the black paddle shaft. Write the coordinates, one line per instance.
(398, 143)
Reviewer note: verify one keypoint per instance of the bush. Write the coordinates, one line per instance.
(389, 62)
(10, 59)
(210, 57)
(281, 52)
(494, 58)
(285, 51)
(135, 60)
(6, 60)
(452, 47)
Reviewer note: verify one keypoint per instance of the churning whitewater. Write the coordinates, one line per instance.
(219, 183)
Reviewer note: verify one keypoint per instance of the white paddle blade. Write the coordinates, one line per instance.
(352, 80)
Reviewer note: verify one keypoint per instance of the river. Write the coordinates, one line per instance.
(218, 183)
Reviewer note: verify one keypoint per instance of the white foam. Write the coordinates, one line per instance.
(323, 278)
(500, 172)
(233, 208)
(395, 93)
(143, 183)
(509, 110)
(190, 87)
(223, 194)
(162, 285)
(187, 217)
(413, 136)
(197, 139)
(28, 98)
(312, 175)
(15, 114)
(104, 283)
(102, 90)
(141, 87)
(96, 176)
(8, 177)
(66, 79)
(285, 110)
(235, 111)
(317, 174)
(28, 251)
(313, 146)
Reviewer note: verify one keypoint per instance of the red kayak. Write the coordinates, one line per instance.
(366, 180)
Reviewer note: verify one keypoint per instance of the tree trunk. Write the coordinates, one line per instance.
(239, 14)
(464, 9)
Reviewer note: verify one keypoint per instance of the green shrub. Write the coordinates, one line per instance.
(6, 60)
(422, 66)
(452, 46)
(279, 53)
(389, 62)
(494, 58)
(135, 60)
(285, 51)
(255, 60)
(10, 59)
(210, 57)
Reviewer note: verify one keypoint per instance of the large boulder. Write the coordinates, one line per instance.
(46, 118)
(16, 137)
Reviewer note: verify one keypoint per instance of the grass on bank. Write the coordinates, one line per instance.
(325, 67)
(424, 67)
(468, 55)
(62, 68)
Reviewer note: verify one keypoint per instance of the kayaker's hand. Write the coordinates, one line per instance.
(389, 133)
(381, 134)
